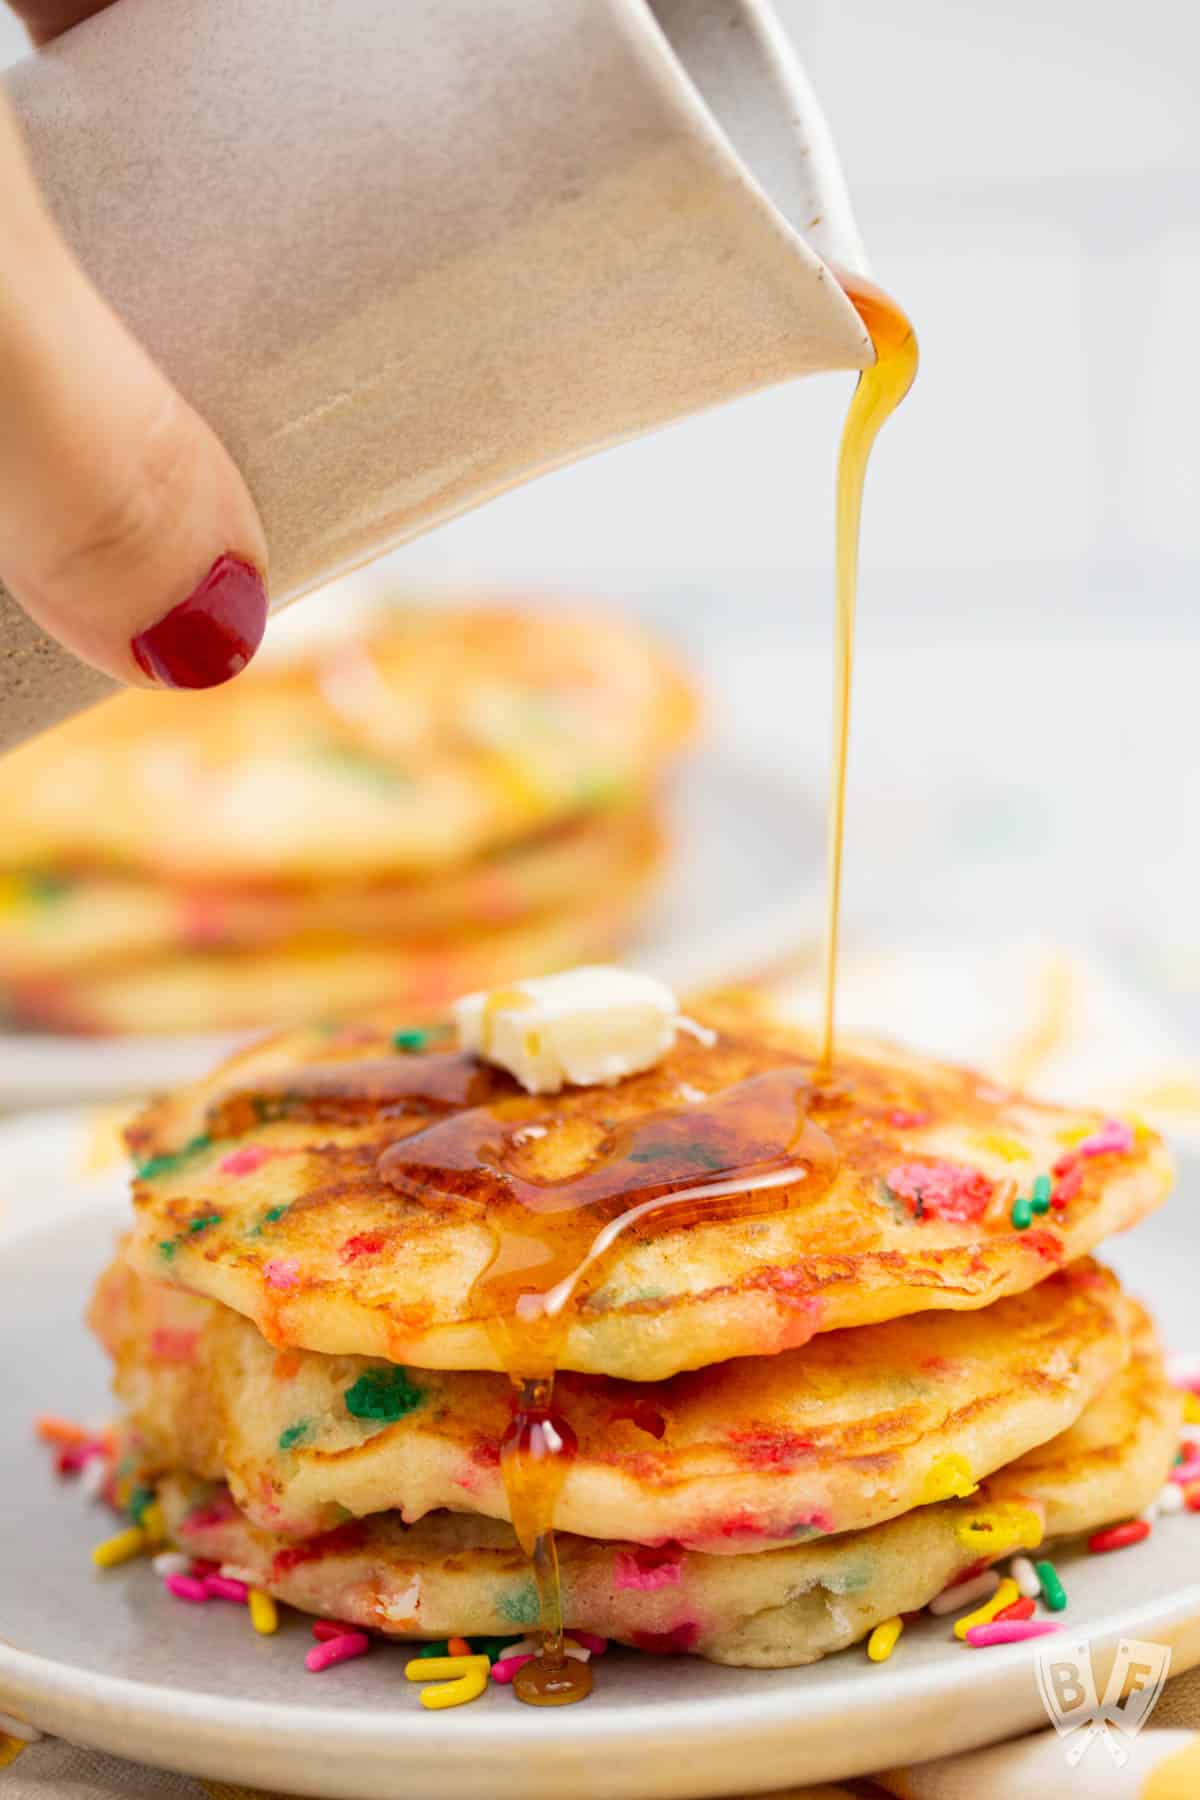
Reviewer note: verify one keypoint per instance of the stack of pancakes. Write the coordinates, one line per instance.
(797, 1414)
(455, 797)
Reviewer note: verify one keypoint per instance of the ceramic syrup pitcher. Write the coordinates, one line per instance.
(404, 254)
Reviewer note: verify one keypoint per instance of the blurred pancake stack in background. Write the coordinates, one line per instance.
(442, 800)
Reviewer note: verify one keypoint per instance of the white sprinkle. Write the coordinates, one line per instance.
(527, 1133)
(578, 1652)
(692, 1095)
(965, 1593)
(1172, 1499)
(701, 1033)
(171, 1562)
(93, 1476)
(235, 1572)
(17, 1728)
(1149, 1513)
(1028, 1581)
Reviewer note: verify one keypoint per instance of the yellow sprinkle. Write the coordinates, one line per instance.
(15, 894)
(1011, 1149)
(1075, 1134)
(1191, 1409)
(10, 1749)
(153, 1523)
(949, 1478)
(120, 1549)
(884, 1638)
(456, 1679)
(264, 1614)
(1001, 1529)
(1005, 1595)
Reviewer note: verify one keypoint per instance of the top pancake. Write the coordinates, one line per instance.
(260, 1188)
(444, 736)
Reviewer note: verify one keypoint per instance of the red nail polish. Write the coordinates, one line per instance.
(212, 634)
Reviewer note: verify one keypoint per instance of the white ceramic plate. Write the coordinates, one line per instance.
(111, 1661)
(743, 886)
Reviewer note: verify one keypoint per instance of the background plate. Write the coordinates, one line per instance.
(743, 886)
(110, 1661)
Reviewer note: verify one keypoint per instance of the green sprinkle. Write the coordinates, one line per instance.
(383, 1394)
(1053, 1592)
(360, 764)
(1022, 1214)
(522, 1606)
(275, 1213)
(139, 1500)
(171, 1159)
(409, 1040)
(439, 1649)
(704, 1154)
(291, 1437)
(43, 888)
(1040, 1198)
(167, 1249)
(204, 1221)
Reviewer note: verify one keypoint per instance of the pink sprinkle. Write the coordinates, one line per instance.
(186, 1587)
(504, 1670)
(244, 1162)
(217, 1511)
(1009, 1631)
(336, 1650)
(1186, 1472)
(282, 1272)
(588, 1640)
(941, 1190)
(907, 1121)
(170, 1345)
(326, 1629)
(1113, 1135)
(644, 1576)
(223, 1587)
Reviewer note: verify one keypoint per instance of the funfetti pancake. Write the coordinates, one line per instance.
(442, 737)
(330, 975)
(856, 1427)
(451, 1574)
(353, 1198)
(56, 925)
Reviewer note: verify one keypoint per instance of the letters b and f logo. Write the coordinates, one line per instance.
(1067, 1685)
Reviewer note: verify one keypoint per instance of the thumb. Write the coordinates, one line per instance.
(126, 531)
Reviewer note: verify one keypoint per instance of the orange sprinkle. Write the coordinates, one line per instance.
(459, 1647)
(286, 1365)
(53, 1430)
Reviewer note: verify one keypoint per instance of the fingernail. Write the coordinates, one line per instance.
(212, 634)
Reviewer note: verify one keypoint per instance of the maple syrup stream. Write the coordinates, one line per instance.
(879, 392)
(693, 1161)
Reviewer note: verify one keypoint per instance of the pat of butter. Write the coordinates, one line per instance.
(589, 1026)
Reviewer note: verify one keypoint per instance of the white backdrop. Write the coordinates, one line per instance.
(1027, 177)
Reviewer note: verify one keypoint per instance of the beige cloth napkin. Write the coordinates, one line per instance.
(1164, 1764)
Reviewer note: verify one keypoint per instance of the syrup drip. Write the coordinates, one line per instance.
(879, 392)
(718, 1157)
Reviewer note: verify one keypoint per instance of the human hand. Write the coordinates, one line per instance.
(126, 531)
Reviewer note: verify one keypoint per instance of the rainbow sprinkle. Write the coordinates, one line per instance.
(334, 1650)
(884, 1638)
(455, 1679)
(1003, 1597)
(1054, 1594)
